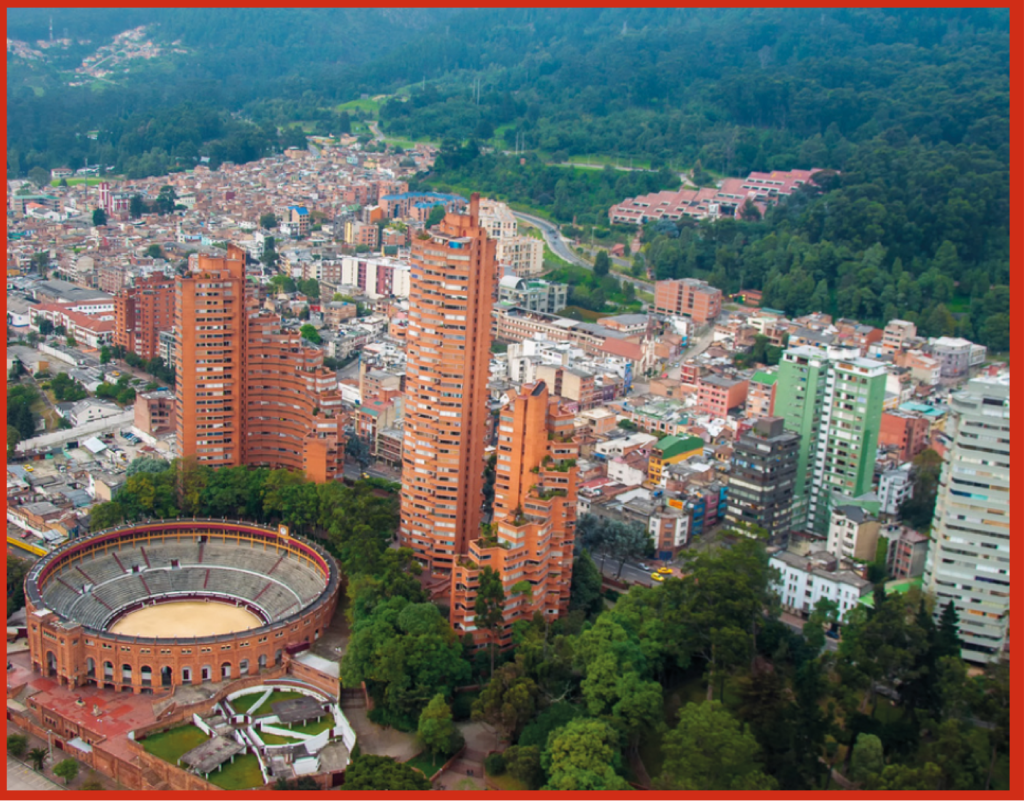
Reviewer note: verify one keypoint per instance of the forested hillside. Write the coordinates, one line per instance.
(910, 107)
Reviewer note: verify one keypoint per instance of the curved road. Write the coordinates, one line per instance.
(560, 247)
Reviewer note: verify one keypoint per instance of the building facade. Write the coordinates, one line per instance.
(448, 353)
(530, 542)
(248, 392)
(762, 478)
(969, 562)
(835, 404)
(688, 297)
(141, 312)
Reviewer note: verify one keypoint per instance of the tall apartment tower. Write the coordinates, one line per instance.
(834, 402)
(762, 478)
(448, 345)
(248, 392)
(209, 324)
(531, 539)
(141, 312)
(969, 559)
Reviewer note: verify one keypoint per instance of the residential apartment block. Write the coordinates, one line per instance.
(835, 405)
(448, 352)
(762, 478)
(530, 542)
(969, 562)
(248, 392)
(688, 297)
(141, 312)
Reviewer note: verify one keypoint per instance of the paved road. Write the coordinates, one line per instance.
(560, 247)
(375, 130)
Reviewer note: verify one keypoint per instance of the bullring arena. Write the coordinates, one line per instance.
(186, 632)
(117, 609)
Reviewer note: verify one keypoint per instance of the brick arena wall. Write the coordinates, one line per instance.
(66, 650)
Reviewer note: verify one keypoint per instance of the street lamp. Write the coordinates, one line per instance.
(49, 743)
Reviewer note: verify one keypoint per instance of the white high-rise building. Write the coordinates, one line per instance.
(969, 559)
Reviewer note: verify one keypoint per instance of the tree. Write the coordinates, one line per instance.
(13, 438)
(136, 207)
(39, 176)
(99, 217)
(71, 341)
(918, 509)
(868, 758)
(357, 448)
(381, 773)
(437, 730)
(708, 750)
(45, 326)
(508, 701)
(67, 769)
(585, 589)
(41, 263)
(523, 763)
(104, 355)
(147, 465)
(436, 216)
(268, 221)
(898, 777)
(16, 571)
(490, 606)
(310, 288)
(749, 212)
(309, 332)
(38, 757)
(602, 264)
(582, 756)
(17, 744)
(154, 251)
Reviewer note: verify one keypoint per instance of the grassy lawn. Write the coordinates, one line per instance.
(266, 709)
(243, 703)
(585, 315)
(243, 773)
(272, 739)
(369, 104)
(425, 763)
(174, 743)
(92, 182)
(314, 727)
(506, 782)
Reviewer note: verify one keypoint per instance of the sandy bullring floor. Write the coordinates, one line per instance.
(186, 620)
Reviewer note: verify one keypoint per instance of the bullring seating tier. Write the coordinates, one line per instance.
(253, 572)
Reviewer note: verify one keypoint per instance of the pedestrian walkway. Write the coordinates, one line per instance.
(21, 778)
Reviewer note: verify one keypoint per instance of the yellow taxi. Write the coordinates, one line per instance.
(657, 577)
(30, 469)
(664, 570)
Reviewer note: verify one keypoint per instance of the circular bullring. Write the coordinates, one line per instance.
(181, 602)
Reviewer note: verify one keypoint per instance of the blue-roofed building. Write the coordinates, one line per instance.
(298, 218)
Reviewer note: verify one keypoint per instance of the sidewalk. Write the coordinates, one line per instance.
(22, 777)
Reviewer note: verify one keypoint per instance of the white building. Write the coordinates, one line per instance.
(805, 579)
(969, 559)
(895, 487)
(852, 533)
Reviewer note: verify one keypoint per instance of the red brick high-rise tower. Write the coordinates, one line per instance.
(248, 392)
(448, 351)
